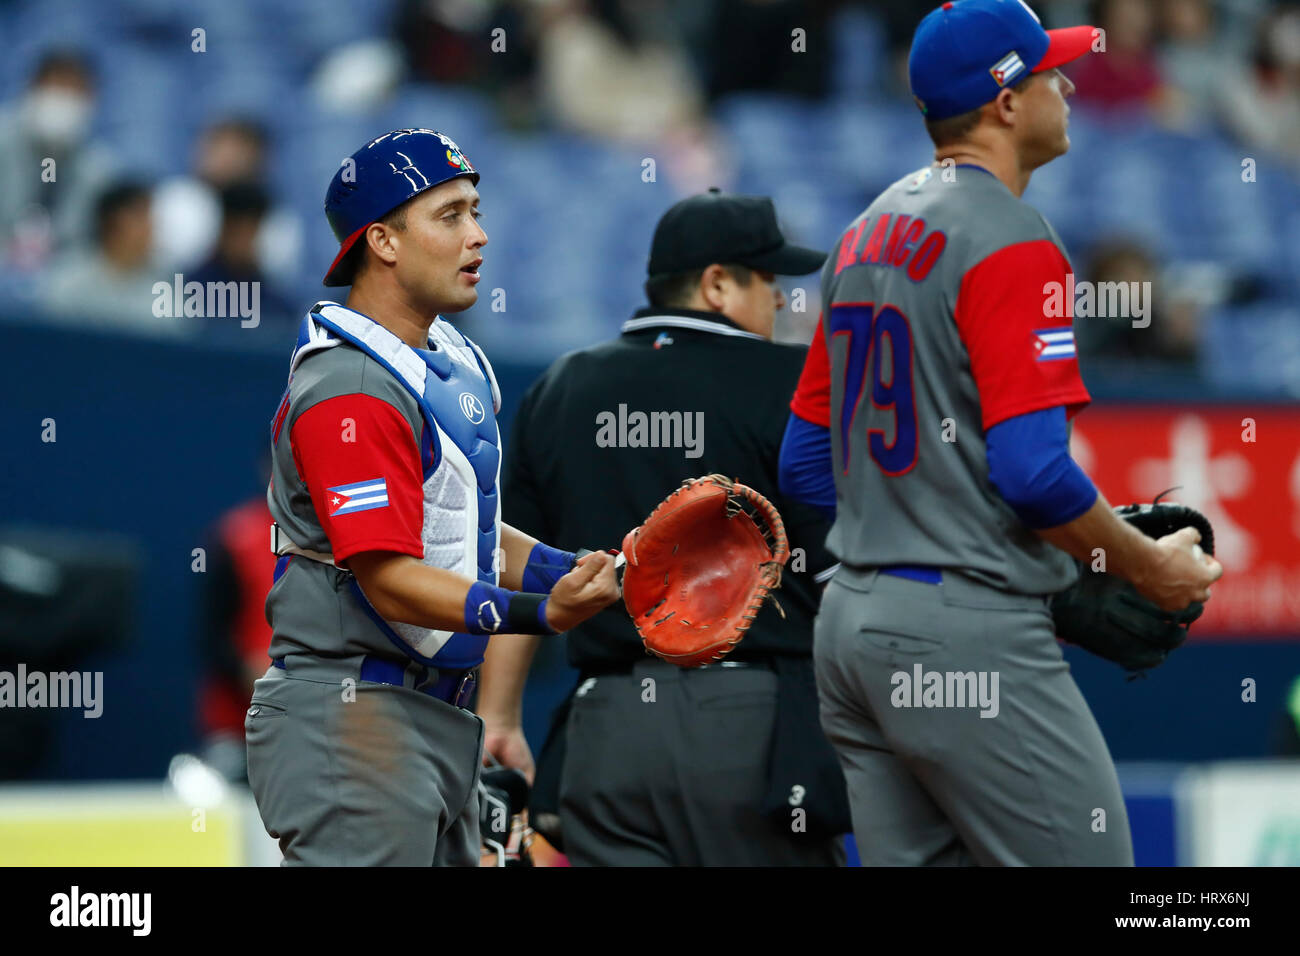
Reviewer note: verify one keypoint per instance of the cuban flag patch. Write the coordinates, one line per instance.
(1007, 68)
(358, 496)
(1054, 344)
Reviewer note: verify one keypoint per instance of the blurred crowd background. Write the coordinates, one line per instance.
(198, 138)
(141, 140)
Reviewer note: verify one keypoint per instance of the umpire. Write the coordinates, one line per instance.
(648, 764)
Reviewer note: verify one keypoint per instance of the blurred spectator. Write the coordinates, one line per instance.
(750, 46)
(1195, 59)
(449, 42)
(607, 73)
(1127, 74)
(357, 78)
(111, 283)
(187, 209)
(45, 207)
(234, 634)
(1264, 108)
(609, 69)
(244, 208)
(1168, 330)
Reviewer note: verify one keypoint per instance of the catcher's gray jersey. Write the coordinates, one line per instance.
(937, 324)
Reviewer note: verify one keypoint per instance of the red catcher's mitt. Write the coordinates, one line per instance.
(700, 568)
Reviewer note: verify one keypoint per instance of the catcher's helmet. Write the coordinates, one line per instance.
(378, 178)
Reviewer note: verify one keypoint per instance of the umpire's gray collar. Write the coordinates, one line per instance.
(715, 322)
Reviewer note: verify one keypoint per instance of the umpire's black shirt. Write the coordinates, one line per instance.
(580, 470)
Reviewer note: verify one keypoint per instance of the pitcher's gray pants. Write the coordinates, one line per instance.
(1030, 784)
(362, 774)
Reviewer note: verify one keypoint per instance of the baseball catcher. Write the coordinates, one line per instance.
(700, 568)
(1104, 614)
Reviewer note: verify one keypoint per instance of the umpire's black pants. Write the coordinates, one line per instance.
(668, 767)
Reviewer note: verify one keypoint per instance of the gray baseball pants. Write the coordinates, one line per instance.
(997, 761)
(353, 773)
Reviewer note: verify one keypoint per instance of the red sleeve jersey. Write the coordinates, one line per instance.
(812, 396)
(360, 461)
(1022, 360)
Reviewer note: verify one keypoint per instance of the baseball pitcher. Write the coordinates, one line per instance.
(932, 418)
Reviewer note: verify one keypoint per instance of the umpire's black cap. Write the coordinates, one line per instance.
(730, 230)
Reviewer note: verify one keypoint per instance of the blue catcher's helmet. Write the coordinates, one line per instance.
(378, 178)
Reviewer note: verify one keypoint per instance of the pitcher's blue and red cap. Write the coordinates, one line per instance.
(965, 52)
(378, 178)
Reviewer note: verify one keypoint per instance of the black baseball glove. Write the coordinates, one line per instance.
(1104, 614)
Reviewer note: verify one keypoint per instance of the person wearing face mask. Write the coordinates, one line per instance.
(190, 211)
(112, 283)
(51, 170)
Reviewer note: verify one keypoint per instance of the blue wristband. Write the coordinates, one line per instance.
(491, 610)
(546, 565)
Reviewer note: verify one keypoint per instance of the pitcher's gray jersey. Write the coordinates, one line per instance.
(938, 324)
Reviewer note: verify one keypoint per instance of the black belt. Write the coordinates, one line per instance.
(625, 669)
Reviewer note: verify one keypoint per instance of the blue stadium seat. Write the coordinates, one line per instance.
(1255, 347)
(570, 218)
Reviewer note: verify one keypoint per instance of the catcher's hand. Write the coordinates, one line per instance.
(1109, 617)
(586, 590)
(700, 568)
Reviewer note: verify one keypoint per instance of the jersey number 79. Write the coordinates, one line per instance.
(865, 328)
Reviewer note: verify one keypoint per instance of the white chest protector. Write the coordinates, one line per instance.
(458, 397)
